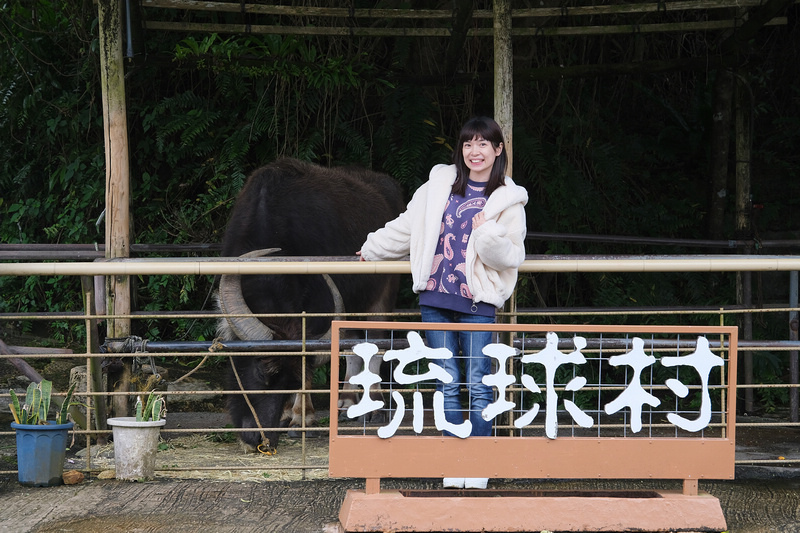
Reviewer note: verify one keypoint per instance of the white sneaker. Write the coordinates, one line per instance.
(475, 482)
(453, 482)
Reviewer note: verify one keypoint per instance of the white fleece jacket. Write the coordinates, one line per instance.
(495, 249)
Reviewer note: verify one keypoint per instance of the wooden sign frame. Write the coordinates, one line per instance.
(689, 459)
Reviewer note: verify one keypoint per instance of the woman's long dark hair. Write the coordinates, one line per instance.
(480, 128)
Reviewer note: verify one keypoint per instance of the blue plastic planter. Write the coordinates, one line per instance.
(40, 453)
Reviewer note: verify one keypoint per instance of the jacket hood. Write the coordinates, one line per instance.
(443, 176)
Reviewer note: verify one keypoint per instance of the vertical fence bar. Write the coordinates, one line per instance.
(303, 381)
(794, 367)
(88, 297)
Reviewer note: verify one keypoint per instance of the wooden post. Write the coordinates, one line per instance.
(720, 151)
(504, 100)
(743, 229)
(94, 371)
(503, 75)
(794, 362)
(115, 124)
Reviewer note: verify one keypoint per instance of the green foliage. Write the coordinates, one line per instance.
(51, 169)
(51, 157)
(410, 142)
(37, 404)
(320, 376)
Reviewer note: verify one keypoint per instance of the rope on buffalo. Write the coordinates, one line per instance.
(216, 345)
(264, 446)
(192, 371)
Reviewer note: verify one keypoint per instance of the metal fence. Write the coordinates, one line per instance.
(307, 349)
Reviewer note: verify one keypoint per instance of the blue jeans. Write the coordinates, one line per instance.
(467, 348)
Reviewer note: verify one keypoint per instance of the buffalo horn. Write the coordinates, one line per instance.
(338, 302)
(231, 301)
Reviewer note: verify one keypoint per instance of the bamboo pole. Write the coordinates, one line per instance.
(216, 266)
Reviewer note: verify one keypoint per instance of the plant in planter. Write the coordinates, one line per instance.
(41, 444)
(153, 409)
(136, 439)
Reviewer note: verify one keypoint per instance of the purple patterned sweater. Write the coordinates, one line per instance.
(447, 286)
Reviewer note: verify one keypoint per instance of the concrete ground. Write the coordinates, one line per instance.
(180, 506)
(761, 499)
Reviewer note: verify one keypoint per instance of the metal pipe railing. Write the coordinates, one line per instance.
(349, 265)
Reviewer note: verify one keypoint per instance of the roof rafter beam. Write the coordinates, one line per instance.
(536, 12)
(446, 32)
(540, 12)
(336, 12)
(756, 19)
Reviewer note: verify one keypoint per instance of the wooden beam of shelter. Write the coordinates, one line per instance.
(664, 27)
(307, 11)
(444, 14)
(757, 18)
(628, 8)
(446, 32)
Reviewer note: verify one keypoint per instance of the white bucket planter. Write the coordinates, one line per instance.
(135, 447)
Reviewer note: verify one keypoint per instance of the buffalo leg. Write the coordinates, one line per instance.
(349, 396)
(383, 303)
(293, 413)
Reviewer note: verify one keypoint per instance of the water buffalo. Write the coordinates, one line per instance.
(303, 210)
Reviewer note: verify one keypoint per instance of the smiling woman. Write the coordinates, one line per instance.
(479, 156)
(464, 230)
